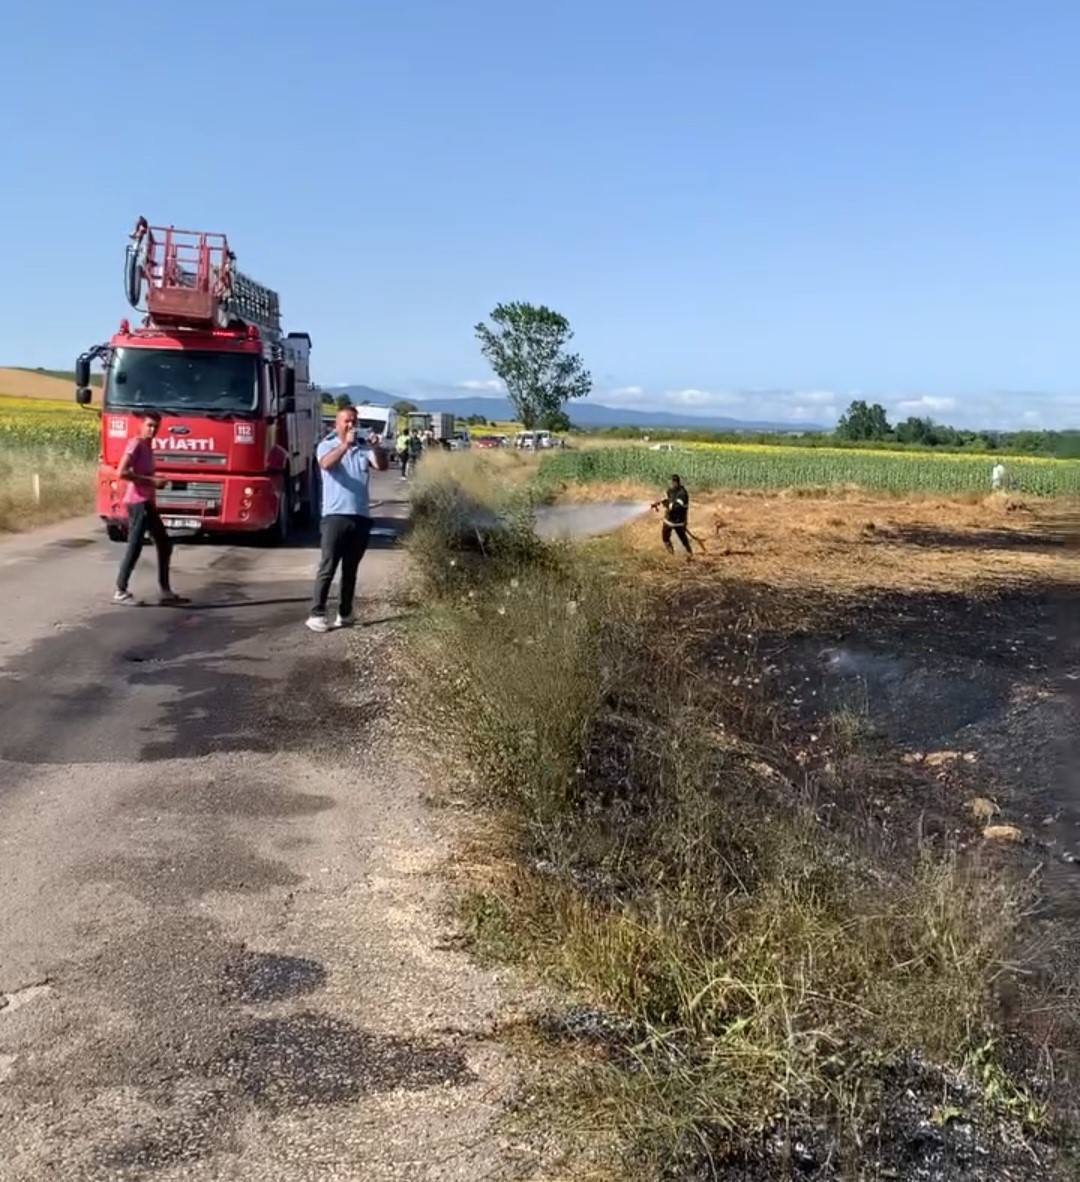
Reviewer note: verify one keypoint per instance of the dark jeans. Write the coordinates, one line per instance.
(344, 540)
(679, 531)
(403, 456)
(143, 519)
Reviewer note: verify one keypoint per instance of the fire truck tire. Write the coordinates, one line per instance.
(309, 497)
(278, 533)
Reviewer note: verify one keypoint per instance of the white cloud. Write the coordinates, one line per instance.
(807, 398)
(626, 396)
(809, 414)
(926, 404)
(703, 398)
(480, 386)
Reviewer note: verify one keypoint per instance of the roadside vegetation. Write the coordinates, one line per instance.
(58, 445)
(775, 955)
(42, 484)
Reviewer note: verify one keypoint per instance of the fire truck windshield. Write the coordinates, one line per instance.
(182, 381)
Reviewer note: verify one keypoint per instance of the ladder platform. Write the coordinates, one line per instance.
(191, 281)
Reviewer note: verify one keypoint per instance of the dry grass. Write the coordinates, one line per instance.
(486, 475)
(20, 383)
(67, 488)
(857, 543)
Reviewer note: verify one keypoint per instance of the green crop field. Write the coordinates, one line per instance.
(761, 466)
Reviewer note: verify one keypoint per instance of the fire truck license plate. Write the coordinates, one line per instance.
(181, 522)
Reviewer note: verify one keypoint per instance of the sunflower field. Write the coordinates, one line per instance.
(767, 466)
(28, 425)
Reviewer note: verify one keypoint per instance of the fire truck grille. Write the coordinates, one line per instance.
(190, 492)
(176, 459)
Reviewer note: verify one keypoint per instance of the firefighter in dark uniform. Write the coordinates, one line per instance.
(676, 504)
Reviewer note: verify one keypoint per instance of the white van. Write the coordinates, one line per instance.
(383, 420)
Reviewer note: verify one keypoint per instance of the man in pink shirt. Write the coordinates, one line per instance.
(137, 468)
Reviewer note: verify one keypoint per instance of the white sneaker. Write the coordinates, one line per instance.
(317, 624)
(344, 621)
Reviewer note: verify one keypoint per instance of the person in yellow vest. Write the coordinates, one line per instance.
(401, 446)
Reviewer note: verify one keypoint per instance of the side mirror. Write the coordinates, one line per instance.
(82, 375)
(83, 395)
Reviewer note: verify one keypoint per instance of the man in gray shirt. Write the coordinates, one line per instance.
(344, 464)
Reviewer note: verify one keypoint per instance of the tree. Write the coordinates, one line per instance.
(404, 407)
(526, 347)
(916, 430)
(861, 422)
(559, 421)
(343, 402)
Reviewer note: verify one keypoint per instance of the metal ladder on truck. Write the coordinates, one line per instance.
(190, 282)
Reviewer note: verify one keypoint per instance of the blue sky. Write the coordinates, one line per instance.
(761, 208)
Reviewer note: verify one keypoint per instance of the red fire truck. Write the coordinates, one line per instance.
(240, 417)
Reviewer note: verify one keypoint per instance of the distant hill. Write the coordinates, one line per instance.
(47, 384)
(63, 375)
(584, 414)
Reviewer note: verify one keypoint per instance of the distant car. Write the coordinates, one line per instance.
(487, 441)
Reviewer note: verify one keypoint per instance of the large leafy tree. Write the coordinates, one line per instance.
(861, 422)
(526, 346)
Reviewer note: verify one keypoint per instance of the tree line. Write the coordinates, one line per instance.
(526, 346)
(868, 424)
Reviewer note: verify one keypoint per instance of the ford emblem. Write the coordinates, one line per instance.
(181, 430)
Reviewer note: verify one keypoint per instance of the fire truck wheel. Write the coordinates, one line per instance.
(309, 497)
(278, 533)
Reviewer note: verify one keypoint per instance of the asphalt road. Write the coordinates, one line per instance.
(218, 957)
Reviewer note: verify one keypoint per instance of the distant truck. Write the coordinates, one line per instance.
(440, 425)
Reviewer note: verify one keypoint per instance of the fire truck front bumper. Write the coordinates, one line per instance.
(194, 505)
